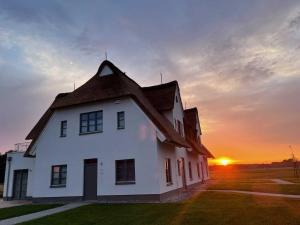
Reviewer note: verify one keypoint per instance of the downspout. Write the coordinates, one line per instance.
(8, 176)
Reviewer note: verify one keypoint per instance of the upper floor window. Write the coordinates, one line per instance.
(125, 171)
(59, 175)
(179, 128)
(190, 171)
(91, 122)
(121, 120)
(63, 128)
(168, 171)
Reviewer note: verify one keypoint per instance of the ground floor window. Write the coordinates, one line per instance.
(168, 171)
(125, 171)
(190, 171)
(198, 170)
(59, 175)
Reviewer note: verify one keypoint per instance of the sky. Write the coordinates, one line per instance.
(238, 61)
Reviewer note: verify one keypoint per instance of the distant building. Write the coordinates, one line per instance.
(110, 140)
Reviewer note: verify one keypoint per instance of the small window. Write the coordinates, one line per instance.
(179, 167)
(59, 175)
(190, 171)
(63, 128)
(91, 122)
(198, 170)
(125, 171)
(179, 128)
(168, 171)
(176, 98)
(121, 120)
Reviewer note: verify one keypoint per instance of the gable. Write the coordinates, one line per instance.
(101, 88)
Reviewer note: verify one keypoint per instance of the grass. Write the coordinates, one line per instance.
(10, 212)
(209, 208)
(229, 178)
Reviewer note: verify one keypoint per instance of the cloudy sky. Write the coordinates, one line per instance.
(237, 61)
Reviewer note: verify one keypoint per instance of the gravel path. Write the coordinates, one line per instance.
(258, 193)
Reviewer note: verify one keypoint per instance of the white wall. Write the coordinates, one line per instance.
(18, 162)
(174, 153)
(137, 140)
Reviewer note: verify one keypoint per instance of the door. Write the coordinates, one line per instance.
(90, 179)
(183, 173)
(20, 184)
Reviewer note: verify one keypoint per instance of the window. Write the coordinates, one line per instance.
(63, 128)
(190, 171)
(121, 120)
(91, 122)
(168, 171)
(125, 171)
(176, 98)
(179, 128)
(198, 170)
(59, 175)
(179, 167)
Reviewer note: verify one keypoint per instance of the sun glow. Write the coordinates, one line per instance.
(223, 161)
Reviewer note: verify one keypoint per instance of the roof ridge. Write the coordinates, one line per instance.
(161, 85)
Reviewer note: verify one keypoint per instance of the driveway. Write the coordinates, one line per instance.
(6, 204)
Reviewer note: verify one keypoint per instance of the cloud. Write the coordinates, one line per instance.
(238, 61)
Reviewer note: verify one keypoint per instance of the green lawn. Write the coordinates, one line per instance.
(207, 208)
(229, 178)
(10, 212)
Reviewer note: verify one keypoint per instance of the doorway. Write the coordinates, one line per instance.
(20, 184)
(90, 179)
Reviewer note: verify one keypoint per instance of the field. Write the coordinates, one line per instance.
(255, 180)
(206, 208)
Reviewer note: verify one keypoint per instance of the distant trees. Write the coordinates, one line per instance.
(2, 167)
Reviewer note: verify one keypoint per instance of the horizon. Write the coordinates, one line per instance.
(237, 62)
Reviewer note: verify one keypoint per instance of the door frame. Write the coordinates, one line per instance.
(22, 171)
(86, 161)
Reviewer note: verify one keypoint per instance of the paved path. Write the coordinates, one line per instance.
(280, 181)
(257, 193)
(32, 216)
(6, 204)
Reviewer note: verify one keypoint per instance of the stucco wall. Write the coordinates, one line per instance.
(137, 140)
(18, 162)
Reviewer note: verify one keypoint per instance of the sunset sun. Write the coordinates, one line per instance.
(224, 161)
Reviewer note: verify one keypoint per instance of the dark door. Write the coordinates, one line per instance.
(90, 179)
(183, 173)
(20, 184)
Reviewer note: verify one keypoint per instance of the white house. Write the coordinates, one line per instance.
(110, 140)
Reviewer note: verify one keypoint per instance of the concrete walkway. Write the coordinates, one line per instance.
(258, 193)
(280, 181)
(32, 216)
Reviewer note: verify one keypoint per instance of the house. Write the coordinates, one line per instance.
(111, 140)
